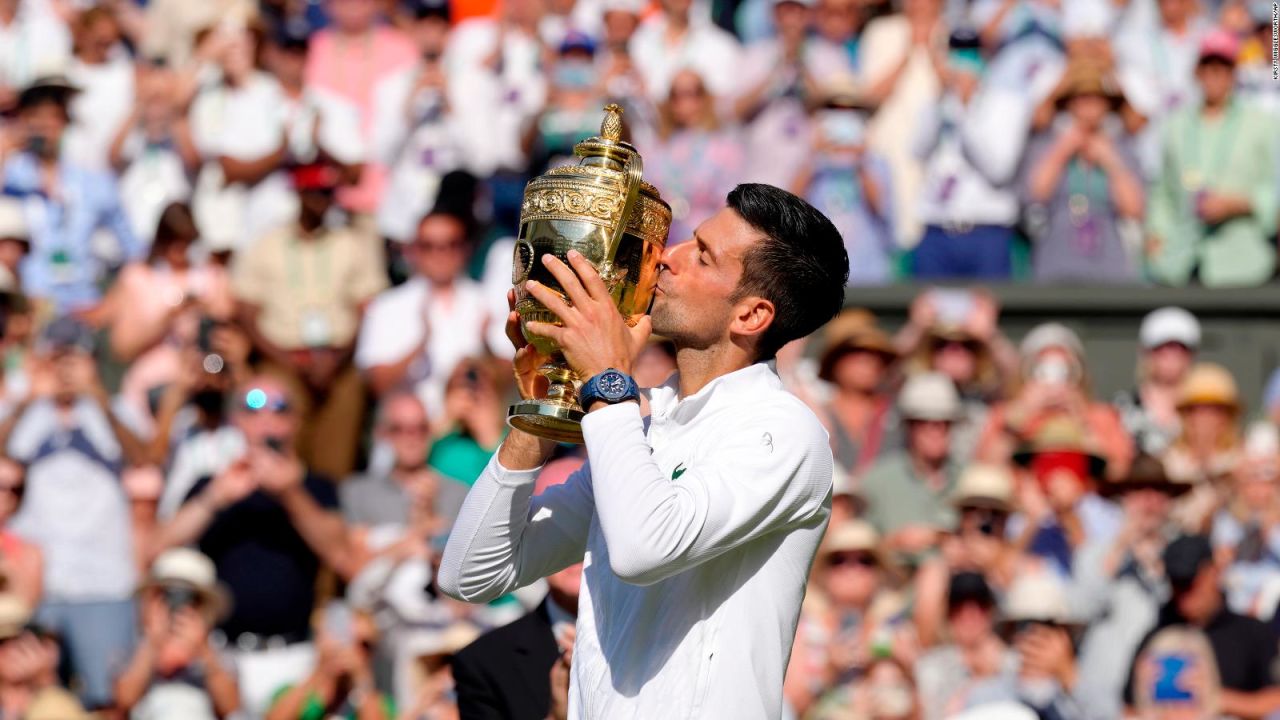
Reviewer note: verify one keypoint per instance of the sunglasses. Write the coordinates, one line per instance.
(257, 400)
(851, 559)
(408, 428)
(439, 247)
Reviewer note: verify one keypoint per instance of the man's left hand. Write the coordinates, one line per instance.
(593, 336)
(275, 472)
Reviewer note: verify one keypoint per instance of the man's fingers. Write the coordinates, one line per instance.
(554, 332)
(641, 329)
(568, 279)
(513, 330)
(589, 275)
(550, 298)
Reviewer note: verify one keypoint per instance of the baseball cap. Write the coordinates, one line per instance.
(316, 176)
(577, 40)
(1220, 44)
(1169, 324)
(13, 221)
(66, 333)
(422, 9)
(969, 587)
(1184, 557)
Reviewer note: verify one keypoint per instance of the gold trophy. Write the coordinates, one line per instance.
(603, 209)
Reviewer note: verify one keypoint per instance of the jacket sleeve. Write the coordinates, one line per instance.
(504, 538)
(772, 471)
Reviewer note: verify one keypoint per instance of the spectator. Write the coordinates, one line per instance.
(1055, 382)
(33, 41)
(572, 112)
(837, 29)
(268, 522)
(976, 665)
(387, 499)
(435, 694)
(1083, 183)
(907, 491)
(64, 267)
(21, 562)
(174, 28)
(1168, 341)
(1040, 625)
(1208, 447)
(694, 156)
(859, 416)
(417, 133)
(416, 333)
(473, 424)
(29, 668)
(75, 444)
(504, 673)
(851, 183)
(969, 209)
(1246, 531)
(674, 42)
(348, 59)
(1061, 508)
(1214, 207)
(176, 670)
(341, 685)
(155, 310)
(104, 73)
(15, 243)
(887, 692)
(1118, 582)
(1180, 656)
(1243, 647)
(301, 292)
(619, 77)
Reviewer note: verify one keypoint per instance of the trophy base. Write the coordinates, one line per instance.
(547, 420)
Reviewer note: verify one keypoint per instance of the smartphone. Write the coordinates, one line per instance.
(1052, 371)
(953, 305)
(1171, 668)
(339, 623)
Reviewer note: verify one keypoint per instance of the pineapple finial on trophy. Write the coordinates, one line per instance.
(611, 126)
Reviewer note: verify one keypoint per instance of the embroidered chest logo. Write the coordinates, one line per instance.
(675, 474)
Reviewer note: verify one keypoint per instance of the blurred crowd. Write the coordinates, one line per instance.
(253, 269)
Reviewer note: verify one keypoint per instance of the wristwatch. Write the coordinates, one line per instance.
(611, 386)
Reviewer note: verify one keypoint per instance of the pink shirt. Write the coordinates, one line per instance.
(351, 69)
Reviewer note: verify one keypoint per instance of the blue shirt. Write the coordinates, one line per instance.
(62, 265)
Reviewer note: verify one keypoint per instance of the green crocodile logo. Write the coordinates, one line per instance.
(675, 474)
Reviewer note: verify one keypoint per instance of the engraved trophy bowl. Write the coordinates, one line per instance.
(602, 208)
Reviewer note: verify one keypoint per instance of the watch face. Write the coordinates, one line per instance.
(613, 385)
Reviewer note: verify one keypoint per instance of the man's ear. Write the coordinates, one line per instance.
(752, 315)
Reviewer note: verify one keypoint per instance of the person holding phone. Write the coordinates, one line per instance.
(176, 670)
(270, 524)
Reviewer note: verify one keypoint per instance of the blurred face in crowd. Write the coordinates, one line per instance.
(1168, 363)
(836, 20)
(405, 428)
(1147, 509)
(45, 122)
(921, 10)
(1256, 483)
(12, 484)
(288, 64)
(929, 440)
(430, 34)
(12, 250)
(263, 410)
(890, 692)
(314, 204)
(565, 585)
(95, 38)
(1206, 424)
(970, 623)
(654, 365)
(439, 253)
(1176, 12)
(619, 26)
(859, 371)
(688, 99)
(677, 8)
(525, 13)
(353, 16)
(957, 359)
(237, 54)
(574, 72)
(791, 20)
(1217, 78)
(851, 578)
(1088, 110)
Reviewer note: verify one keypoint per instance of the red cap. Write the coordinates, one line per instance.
(316, 176)
(1220, 43)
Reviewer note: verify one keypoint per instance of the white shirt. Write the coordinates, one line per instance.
(410, 317)
(36, 43)
(705, 49)
(696, 538)
(98, 110)
(971, 155)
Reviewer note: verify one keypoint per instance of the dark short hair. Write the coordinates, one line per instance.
(800, 264)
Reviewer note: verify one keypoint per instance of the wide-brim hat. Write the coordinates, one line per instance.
(1037, 597)
(437, 643)
(1061, 435)
(15, 615)
(857, 536)
(55, 86)
(985, 486)
(1087, 76)
(1209, 384)
(193, 570)
(1146, 473)
(853, 330)
(843, 90)
(930, 396)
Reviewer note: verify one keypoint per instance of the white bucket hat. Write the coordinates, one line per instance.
(929, 396)
(191, 569)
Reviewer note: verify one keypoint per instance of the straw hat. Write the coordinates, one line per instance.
(1061, 434)
(1147, 473)
(1037, 597)
(14, 616)
(984, 486)
(1209, 384)
(187, 568)
(1088, 76)
(54, 703)
(1050, 335)
(857, 536)
(930, 396)
(851, 331)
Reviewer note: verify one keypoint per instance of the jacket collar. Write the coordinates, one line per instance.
(666, 403)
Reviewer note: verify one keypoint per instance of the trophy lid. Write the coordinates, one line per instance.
(606, 149)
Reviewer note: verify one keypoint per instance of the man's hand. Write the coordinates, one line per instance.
(275, 472)
(1047, 652)
(231, 485)
(560, 679)
(529, 382)
(594, 336)
(1213, 208)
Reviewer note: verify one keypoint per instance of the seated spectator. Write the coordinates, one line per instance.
(1208, 448)
(907, 491)
(268, 522)
(1082, 183)
(975, 666)
(1214, 207)
(859, 415)
(1168, 341)
(967, 202)
(21, 562)
(64, 268)
(415, 334)
(1118, 582)
(341, 684)
(176, 669)
(1246, 531)
(75, 441)
(694, 157)
(1061, 510)
(301, 293)
(1243, 648)
(1055, 383)
(29, 668)
(850, 182)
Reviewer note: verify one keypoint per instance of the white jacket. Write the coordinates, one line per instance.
(697, 530)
